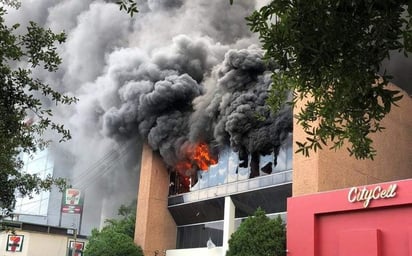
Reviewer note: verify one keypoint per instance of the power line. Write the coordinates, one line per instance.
(104, 165)
(94, 167)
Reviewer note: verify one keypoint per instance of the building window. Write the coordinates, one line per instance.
(196, 236)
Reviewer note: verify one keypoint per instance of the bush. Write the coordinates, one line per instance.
(259, 235)
(108, 242)
(116, 238)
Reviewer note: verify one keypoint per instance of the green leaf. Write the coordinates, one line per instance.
(20, 96)
(258, 235)
(330, 52)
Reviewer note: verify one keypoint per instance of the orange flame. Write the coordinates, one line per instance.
(198, 155)
(183, 166)
(202, 156)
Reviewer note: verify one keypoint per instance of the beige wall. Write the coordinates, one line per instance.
(155, 227)
(37, 244)
(328, 170)
(216, 251)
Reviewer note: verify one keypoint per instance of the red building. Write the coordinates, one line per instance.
(373, 220)
(335, 211)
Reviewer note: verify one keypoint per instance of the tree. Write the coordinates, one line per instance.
(116, 238)
(130, 6)
(329, 53)
(24, 118)
(126, 224)
(260, 236)
(111, 243)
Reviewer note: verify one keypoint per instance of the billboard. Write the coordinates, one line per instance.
(72, 201)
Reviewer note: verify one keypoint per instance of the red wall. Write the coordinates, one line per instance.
(327, 224)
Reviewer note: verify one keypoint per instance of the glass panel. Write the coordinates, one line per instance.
(196, 236)
(40, 154)
(42, 165)
(233, 162)
(266, 165)
(243, 173)
(281, 160)
(227, 171)
(202, 181)
(50, 162)
(37, 165)
(213, 175)
(44, 203)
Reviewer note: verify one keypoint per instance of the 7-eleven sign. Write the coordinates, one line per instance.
(14, 243)
(76, 248)
(72, 201)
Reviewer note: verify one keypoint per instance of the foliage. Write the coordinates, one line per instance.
(259, 236)
(12, 3)
(111, 243)
(329, 53)
(20, 94)
(116, 238)
(130, 6)
(126, 224)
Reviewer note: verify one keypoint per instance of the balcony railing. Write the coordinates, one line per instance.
(235, 187)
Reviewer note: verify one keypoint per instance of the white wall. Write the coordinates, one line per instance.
(217, 251)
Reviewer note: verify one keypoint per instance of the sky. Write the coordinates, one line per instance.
(178, 72)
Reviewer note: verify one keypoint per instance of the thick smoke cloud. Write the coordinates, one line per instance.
(179, 72)
(165, 102)
(236, 110)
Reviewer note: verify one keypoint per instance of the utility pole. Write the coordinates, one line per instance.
(74, 244)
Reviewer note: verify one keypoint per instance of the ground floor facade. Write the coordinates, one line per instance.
(27, 239)
(372, 220)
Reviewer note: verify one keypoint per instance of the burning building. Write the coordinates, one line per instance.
(212, 205)
(181, 76)
(212, 146)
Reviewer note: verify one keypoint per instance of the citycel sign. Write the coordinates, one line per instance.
(366, 195)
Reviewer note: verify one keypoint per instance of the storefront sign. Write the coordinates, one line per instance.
(75, 248)
(367, 195)
(14, 243)
(72, 201)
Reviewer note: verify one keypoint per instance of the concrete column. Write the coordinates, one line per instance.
(228, 222)
(155, 227)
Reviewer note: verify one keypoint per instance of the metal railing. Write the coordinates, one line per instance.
(235, 187)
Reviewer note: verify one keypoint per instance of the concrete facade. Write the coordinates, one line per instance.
(328, 169)
(155, 228)
(40, 241)
(36, 244)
